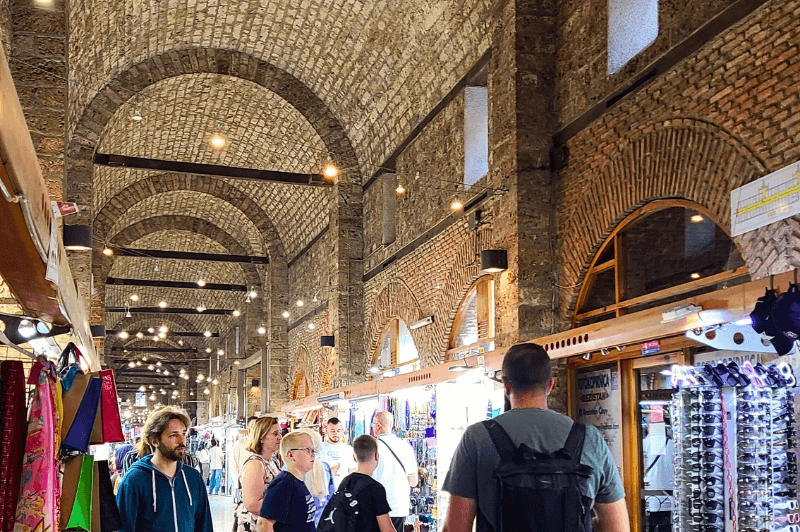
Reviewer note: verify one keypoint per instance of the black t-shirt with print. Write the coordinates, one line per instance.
(288, 502)
(371, 501)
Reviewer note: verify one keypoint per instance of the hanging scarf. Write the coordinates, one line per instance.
(38, 508)
(12, 438)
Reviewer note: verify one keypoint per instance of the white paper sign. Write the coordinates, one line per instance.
(764, 201)
(600, 405)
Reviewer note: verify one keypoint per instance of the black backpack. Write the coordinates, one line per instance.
(540, 492)
(341, 512)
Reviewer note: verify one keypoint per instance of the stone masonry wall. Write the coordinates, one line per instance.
(723, 117)
(5, 27)
(583, 55)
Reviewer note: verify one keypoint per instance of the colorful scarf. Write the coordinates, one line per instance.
(12, 438)
(38, 508)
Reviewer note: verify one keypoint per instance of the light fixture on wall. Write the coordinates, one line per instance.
(312, 326)
(77, 237)
(237, 313)
(456, 205)
(494, 260)
(330, 171)
(459, 367)
(327, 340)
(427, 320)
(400, 189)
(107, 251)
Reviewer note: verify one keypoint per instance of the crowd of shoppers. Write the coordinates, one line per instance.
(296, 482)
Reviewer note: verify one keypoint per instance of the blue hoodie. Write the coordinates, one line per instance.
(150, 501)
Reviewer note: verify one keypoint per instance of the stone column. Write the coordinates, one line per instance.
(347, 294)
(275, 360)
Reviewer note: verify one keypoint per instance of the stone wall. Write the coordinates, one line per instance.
(5, 27)
(583, 55)
(725, 116)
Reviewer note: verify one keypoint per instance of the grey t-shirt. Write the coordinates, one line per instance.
(470, 474)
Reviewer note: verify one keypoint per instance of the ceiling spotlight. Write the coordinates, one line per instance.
(183, 370)
(695, 275)
(107, 251)
(201, 308)
(151, 367)
(218, 141)
(400, 189)
(166, 372)
(200, 376)
(220, 352)
(136, 116)
(456, 205)
(206, 391)
(312, 326)
(208, 349)
(151, 386)
(142, 388)
(299, 303)
(201, 283)
(138, 363)
(236, 362)
(262, 330)
(247, 299)
(208, 379)
(131, 364)
(163, 329)
(315, 300)
(191, 392)
(697, 218)
(330, 171)
(158, 370)
(128, 311)
(180, 342)
(162, 335)
(237, 313)
(285, 314)
(253, 294)
(156, 338)
(207, 334)
(163, 392)
(152, 397)
(158, 363)
(124, 335)
(215, 382)
(134, 297)
(139, 335)
(144, 359)
(162, 304)
(151, 330)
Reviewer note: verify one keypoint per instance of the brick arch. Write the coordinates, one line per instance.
(302, 373)
(684, 158)
(162, 183)
(196, 60)
(395, 300)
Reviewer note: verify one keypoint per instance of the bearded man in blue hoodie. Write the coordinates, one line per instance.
(159, 493)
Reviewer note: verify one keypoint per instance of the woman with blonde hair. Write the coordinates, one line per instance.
(258, 471)
(319, 480)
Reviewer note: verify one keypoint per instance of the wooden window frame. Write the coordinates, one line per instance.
(621, 306)
(393, 329)
(485, 288)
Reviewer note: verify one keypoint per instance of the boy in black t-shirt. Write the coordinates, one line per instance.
(373, 507)
(288, 506)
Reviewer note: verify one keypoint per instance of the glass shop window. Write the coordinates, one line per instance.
(476, 134)
(396, 350)
(666, 251)
(473, 327)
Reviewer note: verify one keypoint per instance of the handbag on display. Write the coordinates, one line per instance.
(111, 423)
(76, 494)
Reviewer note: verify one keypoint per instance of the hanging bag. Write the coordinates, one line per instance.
(110, 422)
(76, 494)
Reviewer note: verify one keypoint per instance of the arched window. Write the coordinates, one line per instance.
(300, 389)
(396, 349)
(664, 252)
(473, 327)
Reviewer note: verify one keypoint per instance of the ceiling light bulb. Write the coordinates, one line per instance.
(183, 370)
(285, 314)
(400, 189)
(220, 352)
(163, 329)
(158, 363)
(151, 386)
(191, 392)
(218, 142)
(134, 297)
(215, 382)
(162, 335)
(151, 367)
(330, 171)
(695, 275)
(208, 349)
(299, 303)
(162, 304)
(166, 372)
(153, 397)
(201, 308)
(456, 205)
(207, 334)
(151, 330)
(138, 363)
(107, 251)
(144, 359)
(237, 313)
(236, 362)
(156, 338)
(697, 218)
(312, 326)
(262, 330)
(158, 370)
(131, 364)
(201, 283)
(142, 388)
(136, 116)
(124, 335)
(253, 294)
(180, 342)
(315, 300)
(206, 391)
(128, 312)
(139, 335)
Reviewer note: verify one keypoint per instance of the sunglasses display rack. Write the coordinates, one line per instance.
(735, 455)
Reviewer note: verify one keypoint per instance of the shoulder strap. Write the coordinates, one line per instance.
(573, 448)
(502, 441)
(394, 454)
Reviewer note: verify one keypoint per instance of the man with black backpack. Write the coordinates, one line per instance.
(532, 469)
(360, 502)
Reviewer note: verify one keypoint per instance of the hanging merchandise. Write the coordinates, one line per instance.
(105, 513)
(111, 426)
(12, 439)
(38, 507)
(76, 494)
(735, 460)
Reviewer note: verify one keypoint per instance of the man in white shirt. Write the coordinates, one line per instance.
(397, 468)
(336, 453)
(215, 454)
